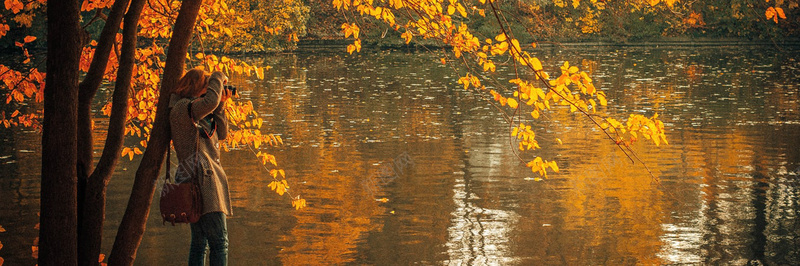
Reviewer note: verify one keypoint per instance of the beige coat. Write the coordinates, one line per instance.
(186, 140)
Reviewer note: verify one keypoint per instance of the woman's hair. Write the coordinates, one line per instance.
(192, 83)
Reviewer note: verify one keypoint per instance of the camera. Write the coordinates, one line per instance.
(231, 88)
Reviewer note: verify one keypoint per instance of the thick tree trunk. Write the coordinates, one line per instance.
(58, 225)
(91, 233)
(129, 234)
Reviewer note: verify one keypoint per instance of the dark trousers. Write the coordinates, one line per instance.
(211, 231)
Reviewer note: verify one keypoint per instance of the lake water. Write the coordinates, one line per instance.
(399, 165)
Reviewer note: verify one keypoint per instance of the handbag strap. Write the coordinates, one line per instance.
(196, 148)
(169, 155)
(195, 178)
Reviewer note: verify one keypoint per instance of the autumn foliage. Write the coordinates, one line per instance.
(262, 25)
(528, 96)
(218, 23)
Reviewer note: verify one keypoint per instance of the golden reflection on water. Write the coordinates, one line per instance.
(716, 196)
(725, 190)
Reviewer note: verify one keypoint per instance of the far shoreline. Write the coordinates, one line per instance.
(654, 43)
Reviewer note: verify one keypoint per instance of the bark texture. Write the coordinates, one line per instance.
(59, 216)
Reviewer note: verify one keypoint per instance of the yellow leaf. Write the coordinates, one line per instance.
(553, 166)
(406, 36)
(516, 46)
(501, 37)
(500, 48)
(512, 103)
(280, 189)
(559, 141)
(489, 66)
(260, 72)
(573, 70)
(536, 64)
(127, 151)
(298, 203)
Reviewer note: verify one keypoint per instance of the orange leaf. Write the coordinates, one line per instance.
(780, 12)
(29, 39)
(771, 14)
(14, 5)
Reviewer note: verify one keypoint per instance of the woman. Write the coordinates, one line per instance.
(197, 118)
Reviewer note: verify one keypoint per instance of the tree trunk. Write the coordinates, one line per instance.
(58, 225)
(129, 234)
(94, 208)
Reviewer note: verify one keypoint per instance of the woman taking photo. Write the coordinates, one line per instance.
(198, 123)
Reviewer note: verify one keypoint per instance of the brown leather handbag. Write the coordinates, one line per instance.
(182, 202)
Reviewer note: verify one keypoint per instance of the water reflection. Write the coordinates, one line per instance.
(726, 190)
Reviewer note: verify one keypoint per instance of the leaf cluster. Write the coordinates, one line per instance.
(217, 21)
(477, 56)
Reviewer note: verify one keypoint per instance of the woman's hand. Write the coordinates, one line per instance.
(226, 94)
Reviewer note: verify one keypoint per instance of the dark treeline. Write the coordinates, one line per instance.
(318, 21)
(599, 20)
